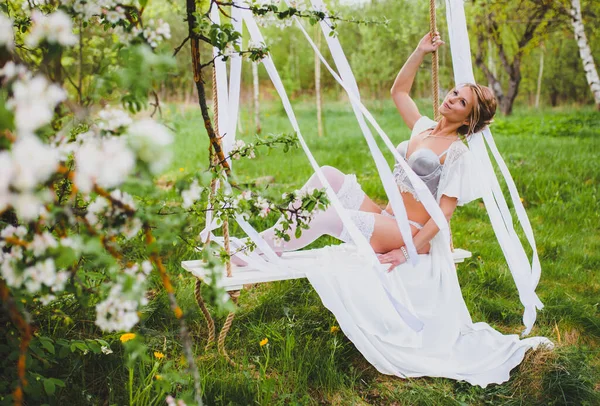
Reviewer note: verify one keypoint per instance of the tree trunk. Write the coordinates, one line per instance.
(508, 100)
(318, 83)
(591, 73)
(256, 99)
(540, 74)
(491, 63)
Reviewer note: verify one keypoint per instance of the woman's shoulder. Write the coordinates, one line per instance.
(457, 150)
(422, 124)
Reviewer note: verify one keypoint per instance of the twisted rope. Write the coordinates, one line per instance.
(226, 326)
(233, 294)
(435, 89)
(209, 320)
(216, 121)
(434, 63)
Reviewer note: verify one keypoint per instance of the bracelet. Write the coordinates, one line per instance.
(404, 252)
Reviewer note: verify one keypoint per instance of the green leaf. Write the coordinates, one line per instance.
(94, 346)
(49, 387)
(47, 344)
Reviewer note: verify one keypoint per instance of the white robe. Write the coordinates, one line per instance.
(449, 345)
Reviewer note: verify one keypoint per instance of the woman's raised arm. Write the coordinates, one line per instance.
(403, 83)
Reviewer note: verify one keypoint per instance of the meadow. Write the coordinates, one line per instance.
(552, 155)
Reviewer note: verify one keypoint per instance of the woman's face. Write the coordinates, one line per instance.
(458, 104)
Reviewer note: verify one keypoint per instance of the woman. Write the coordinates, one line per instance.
(465, 110)
(447, 343)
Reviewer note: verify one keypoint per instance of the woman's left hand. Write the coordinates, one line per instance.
(394, 258)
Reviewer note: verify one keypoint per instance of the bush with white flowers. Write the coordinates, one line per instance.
(87, 221)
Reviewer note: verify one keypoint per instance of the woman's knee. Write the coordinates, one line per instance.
(334, 176)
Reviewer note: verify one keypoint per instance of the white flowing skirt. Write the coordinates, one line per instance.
(449, 345)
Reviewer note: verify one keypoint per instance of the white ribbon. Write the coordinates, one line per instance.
(526, 276)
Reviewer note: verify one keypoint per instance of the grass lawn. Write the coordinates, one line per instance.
(553, 157)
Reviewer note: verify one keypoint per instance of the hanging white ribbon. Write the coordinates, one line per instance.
(526, 276)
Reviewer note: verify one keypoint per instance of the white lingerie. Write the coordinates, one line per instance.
(424, 162)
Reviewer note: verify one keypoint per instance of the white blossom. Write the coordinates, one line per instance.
(116, 15)
(299, 5)
(105, 162)
(11, 277)
(229, 49)
(6, 173)
(7, 36)
(320, 8)
(132, 227)
(86, 9)
(12, 231)
(55, 28)
(156, 31)
(28, 206)
(113, 119)
(61, 280)
(33, 102)
(47, 299)
(147, 267)
(33, 163)
(41, 242)
(246, 195)
(264, 206)
(106, 350)
(116, 312)
(11, 70)
(151, 141)
(124, 198)
(94, 208)
(123, 35)
(191, 195)
(42, 273)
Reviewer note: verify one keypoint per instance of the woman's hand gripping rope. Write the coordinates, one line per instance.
(429, 44)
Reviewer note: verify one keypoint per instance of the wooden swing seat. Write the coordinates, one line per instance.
(247, 275)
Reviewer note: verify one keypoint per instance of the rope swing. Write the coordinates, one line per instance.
(434, 63)
(435, 89)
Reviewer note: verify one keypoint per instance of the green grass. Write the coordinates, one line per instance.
(552, 155)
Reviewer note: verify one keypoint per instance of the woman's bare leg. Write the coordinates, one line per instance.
(386, 235)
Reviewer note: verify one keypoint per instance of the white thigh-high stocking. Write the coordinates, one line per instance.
(327, 222)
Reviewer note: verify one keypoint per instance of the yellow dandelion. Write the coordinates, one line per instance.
(521, 199)
(264, 342)
(181, 169)
(126, 337)
(158, 355)
(333, 329)
(157, 377)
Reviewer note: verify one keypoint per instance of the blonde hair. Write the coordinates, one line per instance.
(483, 109)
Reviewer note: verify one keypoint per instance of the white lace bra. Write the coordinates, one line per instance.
(425, 163)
